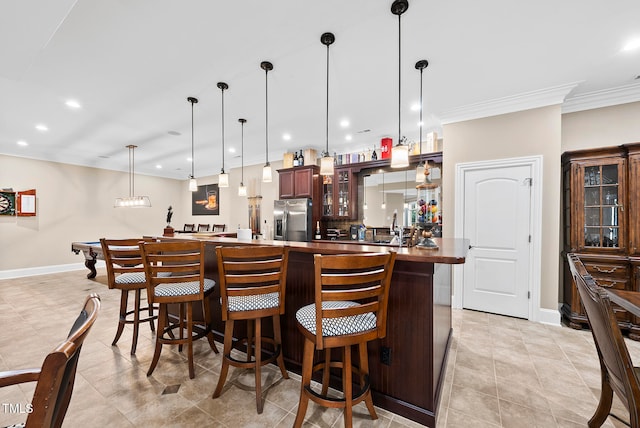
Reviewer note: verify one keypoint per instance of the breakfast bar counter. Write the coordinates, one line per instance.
(407, 367)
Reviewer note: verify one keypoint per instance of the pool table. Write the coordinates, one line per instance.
(92, 251)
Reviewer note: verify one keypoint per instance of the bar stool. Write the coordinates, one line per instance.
(175, 275)
(252, 287)
(351, 298)
(125, 272)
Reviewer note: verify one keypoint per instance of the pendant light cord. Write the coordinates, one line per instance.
(421, 70)
(266, 116)
(399, 79)
(222, 89)
(131, 161)
(242, 152)
(192, 151)
(327, 121)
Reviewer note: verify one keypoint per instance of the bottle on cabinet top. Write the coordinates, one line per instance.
(296, 160)
(301, 159)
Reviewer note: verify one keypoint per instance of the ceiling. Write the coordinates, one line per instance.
(131, 64)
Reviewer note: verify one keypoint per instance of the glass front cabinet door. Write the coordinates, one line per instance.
(595, 203)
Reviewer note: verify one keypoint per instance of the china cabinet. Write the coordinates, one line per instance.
(600, 196)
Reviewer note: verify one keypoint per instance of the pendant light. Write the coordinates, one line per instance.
(193, 184)
(266, 169)
(364, 192)
(326, 163)
(421, 65)
(242, 190)
(131, 200)
(384, 205)
(223, 177)
(400, 152)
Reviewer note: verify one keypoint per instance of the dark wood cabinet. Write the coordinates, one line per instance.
(297, 182)
(600, 198)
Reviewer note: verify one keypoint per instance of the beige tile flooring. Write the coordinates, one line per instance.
(502, 372)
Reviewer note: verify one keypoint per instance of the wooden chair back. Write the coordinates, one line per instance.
(363, 279)
(612, 350)
(55, 379)
(121, 256)
(219, 227)
(203, 227)
(173, 263)
(189, 227)
(252, 271)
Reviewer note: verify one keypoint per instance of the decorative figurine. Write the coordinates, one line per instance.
(168, 231)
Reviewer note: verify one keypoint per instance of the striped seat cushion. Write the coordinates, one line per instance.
(306, 316)
(182, 288)
(136, 277)
(254, 302)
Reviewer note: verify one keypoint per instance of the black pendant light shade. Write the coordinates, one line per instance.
(223, 177)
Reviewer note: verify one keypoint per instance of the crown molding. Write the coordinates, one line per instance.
(603, 98)
(524, 101)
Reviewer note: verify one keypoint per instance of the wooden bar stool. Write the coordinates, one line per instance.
(351, 298)
(252, 287)
(125, 272)
(175, 275)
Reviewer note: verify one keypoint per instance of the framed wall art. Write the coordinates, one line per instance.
(205, 200)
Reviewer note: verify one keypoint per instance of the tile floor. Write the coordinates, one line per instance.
(502, 372)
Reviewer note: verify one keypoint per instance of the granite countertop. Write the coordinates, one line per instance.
(450, 251)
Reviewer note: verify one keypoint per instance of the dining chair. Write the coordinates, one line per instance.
(203, 227)
(189, 227)
(252, 287)
(618, 375)
(174, 272)
(125, 272)
(219, 227)
(56, 377)
(350, 309)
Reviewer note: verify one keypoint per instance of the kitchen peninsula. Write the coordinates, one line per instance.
(408, 366)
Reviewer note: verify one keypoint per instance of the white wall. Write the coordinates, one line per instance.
(526, 133)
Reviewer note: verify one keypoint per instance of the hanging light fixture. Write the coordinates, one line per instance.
(193, 184)
(266, 169)
(326, 163)
(400, 152)
(384, 205)
(242, 190)
(131, 200)
(223, 177)
(364, 191)
(421, 65)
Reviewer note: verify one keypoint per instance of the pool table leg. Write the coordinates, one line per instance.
(91, 265)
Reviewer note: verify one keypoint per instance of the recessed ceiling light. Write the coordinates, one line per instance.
(41, 127)
(73, 104)
(420, 123)
(348, 137)
(344, 123)
(415, 107)
(22, 143)
(158, 166)
(286, 137)
(632, 45)
(189, 159)
(232, 150)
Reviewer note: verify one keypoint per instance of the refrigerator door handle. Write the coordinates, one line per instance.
(285, 231)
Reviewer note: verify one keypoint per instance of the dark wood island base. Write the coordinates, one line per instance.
(407, 368)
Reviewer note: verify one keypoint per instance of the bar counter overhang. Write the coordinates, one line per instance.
(409, 381)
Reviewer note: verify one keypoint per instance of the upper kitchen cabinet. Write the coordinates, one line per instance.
(299, 182)
(339, 199)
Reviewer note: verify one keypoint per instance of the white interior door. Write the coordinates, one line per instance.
(497, 207)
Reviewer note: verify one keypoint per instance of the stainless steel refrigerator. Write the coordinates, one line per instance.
(292, 220)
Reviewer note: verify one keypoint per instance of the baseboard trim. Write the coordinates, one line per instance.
(44, 270)
(549, 316)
